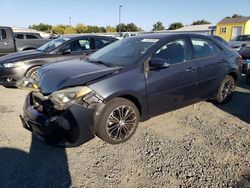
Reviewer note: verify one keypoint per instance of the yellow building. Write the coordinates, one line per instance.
(229, 28)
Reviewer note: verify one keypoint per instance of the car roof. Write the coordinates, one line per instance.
(85, 35)
(167, 35)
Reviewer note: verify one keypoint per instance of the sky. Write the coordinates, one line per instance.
(144, 13)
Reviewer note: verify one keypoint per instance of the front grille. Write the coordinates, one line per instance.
(44, 105)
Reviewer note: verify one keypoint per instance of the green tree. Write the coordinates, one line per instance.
(121, 27)
(237, 16)
(132, 27)
(158, 26)
(201, 22)
(81, 28)
(41, 27)
(58, 29)
(175, 25)
(110, 29)
(69, 30)
(95, 29)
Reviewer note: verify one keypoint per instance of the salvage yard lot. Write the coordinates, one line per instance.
(201, 145)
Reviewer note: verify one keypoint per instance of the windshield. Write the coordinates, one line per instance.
(123, 52)
(50, 46)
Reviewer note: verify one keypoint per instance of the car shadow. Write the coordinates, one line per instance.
(243, 180)
(43, 166)
(239, 106)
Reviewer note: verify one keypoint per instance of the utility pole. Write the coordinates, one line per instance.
(70, 18)
(120, 9)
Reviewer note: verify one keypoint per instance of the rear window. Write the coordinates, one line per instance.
(204, 48)
(31, 36)
(100, 43)
(3, 34)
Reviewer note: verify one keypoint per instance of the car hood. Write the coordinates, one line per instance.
(76, 72)
(21, 56)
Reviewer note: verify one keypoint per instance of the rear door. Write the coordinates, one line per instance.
(7, 43)
(211, 62)
(175, 86)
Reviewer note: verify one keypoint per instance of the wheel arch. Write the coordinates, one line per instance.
(138, 101)
(234, 75)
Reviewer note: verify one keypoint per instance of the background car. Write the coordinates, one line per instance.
(245, 54)
(17, 65)
(240, 40)
(9, 42)
(129, 81)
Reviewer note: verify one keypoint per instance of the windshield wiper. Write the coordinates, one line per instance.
(101, 62)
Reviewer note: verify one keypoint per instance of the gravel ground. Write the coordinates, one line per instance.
(201, 145)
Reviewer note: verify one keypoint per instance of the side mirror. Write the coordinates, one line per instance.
(158, 63)
(243, 45)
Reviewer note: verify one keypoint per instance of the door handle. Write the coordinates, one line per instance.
(190, 69)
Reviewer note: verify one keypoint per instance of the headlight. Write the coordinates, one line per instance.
(14, 64)
(27, 84)
(62, 99)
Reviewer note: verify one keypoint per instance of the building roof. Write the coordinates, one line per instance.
(203, 27)
(234, 20)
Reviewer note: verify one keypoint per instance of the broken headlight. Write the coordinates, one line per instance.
(62, 99)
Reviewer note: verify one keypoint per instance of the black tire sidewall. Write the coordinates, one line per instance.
(101, 125)
(218, 97)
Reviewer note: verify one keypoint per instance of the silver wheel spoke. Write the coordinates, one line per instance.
(121, 122)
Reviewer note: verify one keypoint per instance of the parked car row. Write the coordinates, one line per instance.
(17, 65)
(124, 83)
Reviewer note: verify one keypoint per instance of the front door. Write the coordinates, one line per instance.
(237, 30)
(174, 86)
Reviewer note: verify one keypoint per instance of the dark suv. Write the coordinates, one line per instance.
(129, 81)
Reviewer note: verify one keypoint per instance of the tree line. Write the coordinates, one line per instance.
(81, 28)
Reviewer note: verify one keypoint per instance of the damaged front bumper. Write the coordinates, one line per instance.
(72, 127)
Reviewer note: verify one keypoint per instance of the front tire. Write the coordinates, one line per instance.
(32, 73)
(225, 92)
(118, 121)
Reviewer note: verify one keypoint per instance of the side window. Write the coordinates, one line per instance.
(19, 36)
(174, 52)
(100, 43)
(77, 45)
(3, 34)
(204, 48)
(28, 36)
(85, 44)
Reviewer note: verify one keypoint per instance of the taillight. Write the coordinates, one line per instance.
(239, 58)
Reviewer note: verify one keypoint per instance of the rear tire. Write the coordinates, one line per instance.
(225, 92)
(118, 121)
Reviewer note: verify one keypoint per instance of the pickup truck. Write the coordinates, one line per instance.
(9, 44)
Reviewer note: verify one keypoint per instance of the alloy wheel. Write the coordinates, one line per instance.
(121, 122)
